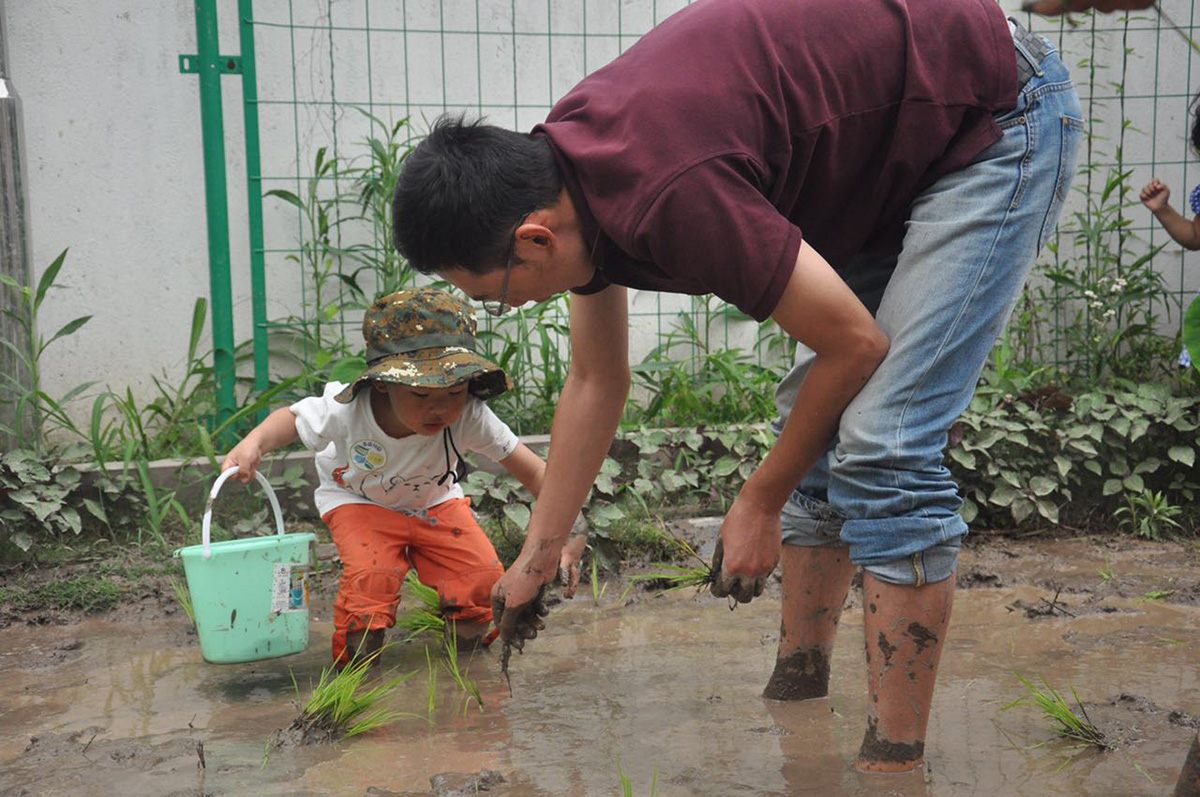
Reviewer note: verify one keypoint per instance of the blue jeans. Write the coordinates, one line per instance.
(883, 488)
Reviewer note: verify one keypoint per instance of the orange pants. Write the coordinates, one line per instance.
(378, 545)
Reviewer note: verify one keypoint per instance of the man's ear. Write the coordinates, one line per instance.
(536, 235)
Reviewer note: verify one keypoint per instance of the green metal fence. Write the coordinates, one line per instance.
(336, 90)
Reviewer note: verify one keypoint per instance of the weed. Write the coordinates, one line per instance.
(1158, 594)
(1063, 719)
(1148, 514)
(82, 593)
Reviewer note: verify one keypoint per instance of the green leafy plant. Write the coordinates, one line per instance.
(1149, 514)
(35, 499)
(1024, 457)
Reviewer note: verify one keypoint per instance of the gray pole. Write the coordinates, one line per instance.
(14, 232)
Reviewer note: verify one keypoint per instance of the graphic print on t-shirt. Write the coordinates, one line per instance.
(368, 455)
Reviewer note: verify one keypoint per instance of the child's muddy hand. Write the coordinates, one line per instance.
(740, 587)
(572, 556)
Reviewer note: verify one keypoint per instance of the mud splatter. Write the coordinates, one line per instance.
(887, 648)
(921, 636)
(801, 675)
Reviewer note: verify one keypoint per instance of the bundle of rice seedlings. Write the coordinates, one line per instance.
(697, 573)
(427, 617)
(339, 708)
(1063, 719)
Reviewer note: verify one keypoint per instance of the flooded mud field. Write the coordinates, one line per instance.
(664, 690)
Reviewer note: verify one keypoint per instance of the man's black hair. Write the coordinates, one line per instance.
(463, 189)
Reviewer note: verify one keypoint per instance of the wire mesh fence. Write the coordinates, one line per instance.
(346, 86)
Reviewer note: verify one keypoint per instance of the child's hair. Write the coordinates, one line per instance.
(1196, 123)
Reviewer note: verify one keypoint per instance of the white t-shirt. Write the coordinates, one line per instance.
(359, 463)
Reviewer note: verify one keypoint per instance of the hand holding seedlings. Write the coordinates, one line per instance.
(747, 551)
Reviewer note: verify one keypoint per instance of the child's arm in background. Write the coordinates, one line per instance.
(1186, 233)
(276, 431)
(529, 469)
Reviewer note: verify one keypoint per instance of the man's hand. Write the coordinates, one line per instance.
(516, 606)
(1053, 8)
(747, 551)
(1155, 195)
(572, 556)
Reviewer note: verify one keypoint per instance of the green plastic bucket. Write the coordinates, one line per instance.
(250, 595)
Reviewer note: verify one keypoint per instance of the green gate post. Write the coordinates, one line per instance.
(258, 280)
(209, 65)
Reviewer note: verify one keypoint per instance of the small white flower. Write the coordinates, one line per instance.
(1097, 305)
(1109, 313)
(1090, 294)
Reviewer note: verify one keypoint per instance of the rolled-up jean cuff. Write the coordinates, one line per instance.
(925, 567)
(810, 523)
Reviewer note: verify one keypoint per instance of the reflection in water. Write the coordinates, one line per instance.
(666, 689)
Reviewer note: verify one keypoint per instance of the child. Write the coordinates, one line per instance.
(388, 459)
(1186, 233)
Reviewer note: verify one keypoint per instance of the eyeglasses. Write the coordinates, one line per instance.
(501, 306)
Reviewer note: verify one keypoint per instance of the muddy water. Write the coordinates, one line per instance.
(667, 688)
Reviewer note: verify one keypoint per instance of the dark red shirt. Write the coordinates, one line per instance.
(697, 158)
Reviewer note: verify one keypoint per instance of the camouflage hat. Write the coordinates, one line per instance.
(425, 338)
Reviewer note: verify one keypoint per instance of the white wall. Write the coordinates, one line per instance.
(114, 154)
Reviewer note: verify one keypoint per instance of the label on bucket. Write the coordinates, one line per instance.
(290, 591)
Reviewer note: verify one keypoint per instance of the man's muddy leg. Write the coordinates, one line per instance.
(1188, 784)
(815, 583)
(905, 630)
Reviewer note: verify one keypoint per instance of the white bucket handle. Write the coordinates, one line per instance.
(212, 496)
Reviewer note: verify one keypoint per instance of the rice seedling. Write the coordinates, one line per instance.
(1063, 719)
(184, 597)
(430, 686)
(450, 662)
(698, 573)
(427, 617)
(598, 589)
(627, 784)
(1158, 594)
(339, 708)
